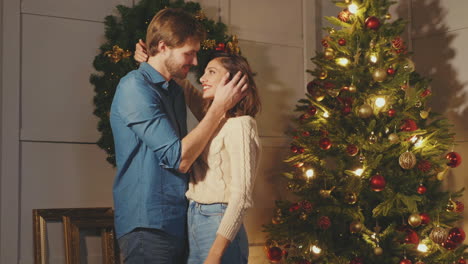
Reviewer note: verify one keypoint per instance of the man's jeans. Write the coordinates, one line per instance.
(203, 222)
(148, 246)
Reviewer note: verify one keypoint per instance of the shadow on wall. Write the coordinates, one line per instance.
(433, 55)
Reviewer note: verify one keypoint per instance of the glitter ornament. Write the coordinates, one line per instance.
(438, 235)
(407, 160)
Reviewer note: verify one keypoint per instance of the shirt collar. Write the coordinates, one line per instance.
(154, 76)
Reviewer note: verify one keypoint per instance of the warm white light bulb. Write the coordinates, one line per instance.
(326, 115)
(353, 8)
(380, 102)
(373, 58)
(310, 173)
(316, 249)
(414, 139)
(419, 142)
(359, 172)
(423, 248)
(342, 61)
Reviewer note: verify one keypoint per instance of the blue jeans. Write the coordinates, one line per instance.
(148, 246)
(203, 222)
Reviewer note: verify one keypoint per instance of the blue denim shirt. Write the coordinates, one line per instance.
(148, 119)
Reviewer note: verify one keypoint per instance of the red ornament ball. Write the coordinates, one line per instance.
(305, 133)
(294, 207)
(409, 125)
(342, 42)
(312, 110)
(357, 260)
(456, 235)
(422, 189)
(425, 218)
(453, 159)
(411, 236)
(346, 110)
(306, 205)
(304, 117)
(325, 143)
(449, 245)
(294, 149)
(459, 207)
(391, 71)
(391, 112)
(462, 261)
(425, 93)
(300, 150)
(372, 23)
(274, 254)
(324, 222)
(325, 42)
(406, 261)
(377, 183)
(352, 150)
(424, 166)
(312, 86)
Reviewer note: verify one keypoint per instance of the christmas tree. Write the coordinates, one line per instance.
(368, 157)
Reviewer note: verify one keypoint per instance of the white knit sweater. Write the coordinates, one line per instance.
(226, 169)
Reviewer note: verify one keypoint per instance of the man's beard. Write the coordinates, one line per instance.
(175, 70)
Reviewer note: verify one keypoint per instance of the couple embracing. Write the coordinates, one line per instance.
(157, 220)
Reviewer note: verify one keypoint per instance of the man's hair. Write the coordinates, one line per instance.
(250, 104)
(173, 26)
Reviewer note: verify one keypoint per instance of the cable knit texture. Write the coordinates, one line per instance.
(226, 170)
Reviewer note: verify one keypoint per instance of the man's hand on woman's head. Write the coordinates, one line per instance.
(140, 52)
(228, 94)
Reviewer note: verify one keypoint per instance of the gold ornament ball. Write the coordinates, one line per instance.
(407, 160)
(277, 220)
(350, 198)
(414, 220)
(393, 138)
(372, 138)
(441, 175)
(323, 75)
(378, 251)
(438, 235)
(303, 216)
(379, 75)
(352, 88)
(365, 111)
(451, 206)
(355, 227)
(424, 114)
(409, 65)
(388, 16)
(333, 92)
(329, 53)
(319, 95)
(325, 193)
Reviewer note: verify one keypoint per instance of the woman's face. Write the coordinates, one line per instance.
(214, 72)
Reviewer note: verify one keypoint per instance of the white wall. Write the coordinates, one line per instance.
(439, 36)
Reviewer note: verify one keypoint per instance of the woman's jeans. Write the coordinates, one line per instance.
(203, 222)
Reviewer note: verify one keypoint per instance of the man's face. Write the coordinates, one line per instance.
(179, 60)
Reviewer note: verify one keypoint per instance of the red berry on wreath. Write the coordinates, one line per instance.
(372, 23)
(325, 143)
(453, 159)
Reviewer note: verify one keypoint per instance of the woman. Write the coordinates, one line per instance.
(221, 184)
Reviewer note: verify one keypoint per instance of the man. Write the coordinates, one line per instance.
(153, 149)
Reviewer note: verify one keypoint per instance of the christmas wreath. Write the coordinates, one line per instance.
(115, 59)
